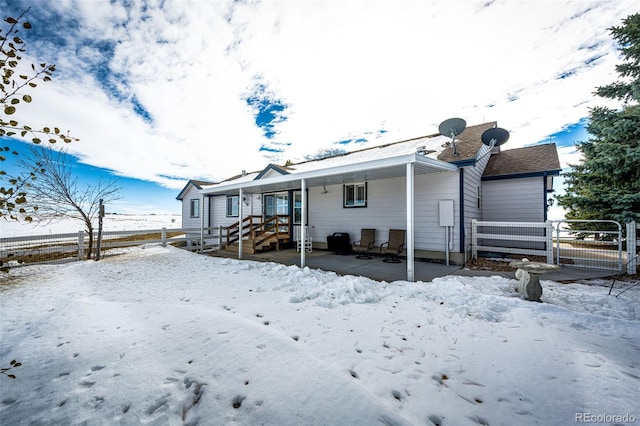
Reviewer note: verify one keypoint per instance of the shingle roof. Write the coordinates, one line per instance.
(527, 160)
(197, 183)
(200, 183)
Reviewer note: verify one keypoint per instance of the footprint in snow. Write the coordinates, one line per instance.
(480, 420)
(87, 384)
(436, 420)
(237, 401)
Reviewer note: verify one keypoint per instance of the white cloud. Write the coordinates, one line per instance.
(344, 69)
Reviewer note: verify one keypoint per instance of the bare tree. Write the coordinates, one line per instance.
(16, 83)
(55, 193)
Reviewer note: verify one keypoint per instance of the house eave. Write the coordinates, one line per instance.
(384, 168)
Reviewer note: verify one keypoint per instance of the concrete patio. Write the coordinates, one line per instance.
(378, 270)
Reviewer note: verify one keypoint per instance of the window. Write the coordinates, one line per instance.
(232, 205)
(194, 207)
(479, 202)
(355, 195)
(276, 204)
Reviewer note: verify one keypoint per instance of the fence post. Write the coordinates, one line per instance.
(474, 239)
(220, 237)
(80, 245)
(632, 241)
(549, 242)
(164, 237)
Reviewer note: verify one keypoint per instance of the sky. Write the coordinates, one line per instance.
(127, 341)
(160, 92)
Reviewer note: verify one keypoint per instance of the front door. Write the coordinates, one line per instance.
(276, 204)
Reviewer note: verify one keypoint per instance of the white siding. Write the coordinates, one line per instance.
(472, 183)
(516, 200)
(219, 209)
(187, 220)
(386, 209)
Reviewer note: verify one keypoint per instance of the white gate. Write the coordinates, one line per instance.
(595, 244)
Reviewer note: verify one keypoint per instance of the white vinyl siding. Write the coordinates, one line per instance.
(219, 209)
(386, 202)
(513, 200)
(473, 193)
(189, 221)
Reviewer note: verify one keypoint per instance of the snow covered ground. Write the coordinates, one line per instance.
(162, 336)
(111, 222)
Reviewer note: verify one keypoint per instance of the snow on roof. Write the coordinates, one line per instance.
(435, 147)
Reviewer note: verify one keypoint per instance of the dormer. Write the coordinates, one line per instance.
(272, 171)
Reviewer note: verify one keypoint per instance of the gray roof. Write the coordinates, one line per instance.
(197, 183)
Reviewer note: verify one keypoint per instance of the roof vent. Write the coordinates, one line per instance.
(422, 150)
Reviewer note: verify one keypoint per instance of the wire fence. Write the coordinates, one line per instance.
(63, 248)
(592, 244)
(559, 242)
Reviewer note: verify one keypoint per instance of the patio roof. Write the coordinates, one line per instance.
(382, 168)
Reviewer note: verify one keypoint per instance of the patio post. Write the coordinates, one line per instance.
(303, 222)
(240, 230)
(410, 223)
(201, 224)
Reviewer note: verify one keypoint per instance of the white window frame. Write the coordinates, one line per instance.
(354, 195)
(194, 207)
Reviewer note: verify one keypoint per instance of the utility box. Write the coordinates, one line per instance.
(446, 212)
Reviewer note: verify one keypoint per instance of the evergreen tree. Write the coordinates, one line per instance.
(606, 185)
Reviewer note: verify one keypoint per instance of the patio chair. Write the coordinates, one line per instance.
(308, 243)
(365, 244)
(394, 246)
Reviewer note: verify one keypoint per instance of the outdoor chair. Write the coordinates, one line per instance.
(394, 246)
(365, 244)
(308, 243)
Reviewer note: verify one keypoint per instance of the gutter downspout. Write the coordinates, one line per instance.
(544, 196)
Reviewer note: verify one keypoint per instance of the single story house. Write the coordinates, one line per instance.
(428, 186)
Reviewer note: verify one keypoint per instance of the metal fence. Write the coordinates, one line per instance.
(517, 239)
(581, 244)
(62, 248)
(633, 242)
(593, 244)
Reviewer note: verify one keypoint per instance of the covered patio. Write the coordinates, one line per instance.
(376, 269)
(348, 264)
(406, 165)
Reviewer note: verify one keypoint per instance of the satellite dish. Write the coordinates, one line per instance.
(495, 136)
(452, 127)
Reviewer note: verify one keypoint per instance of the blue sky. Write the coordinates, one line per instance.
(160, 92)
